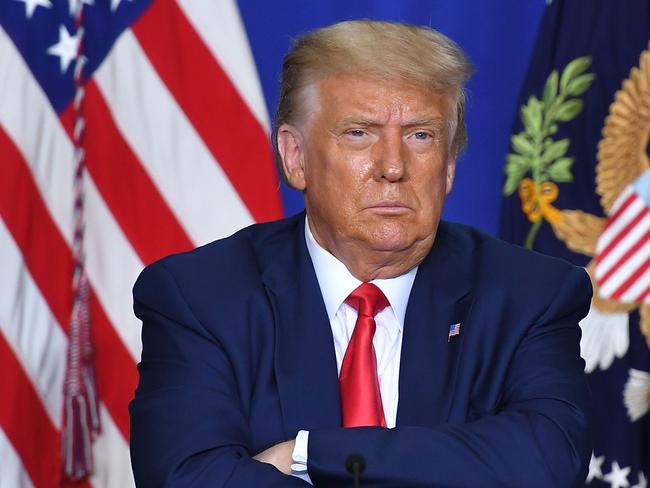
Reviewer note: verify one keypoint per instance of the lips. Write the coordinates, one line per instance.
(389, 204)
(389, 208)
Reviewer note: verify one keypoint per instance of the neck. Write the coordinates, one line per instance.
(367, 264)
(371, 265)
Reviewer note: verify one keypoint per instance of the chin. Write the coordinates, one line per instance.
(389, 246)
(391, 237)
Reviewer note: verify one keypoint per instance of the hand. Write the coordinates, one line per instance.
(279, 456)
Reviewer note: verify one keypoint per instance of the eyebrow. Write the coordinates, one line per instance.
(368, 122)
(426, 121)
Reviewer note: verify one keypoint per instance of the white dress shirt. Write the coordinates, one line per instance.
(336, 283)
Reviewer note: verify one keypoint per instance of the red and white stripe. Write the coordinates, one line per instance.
(623, 251)
(164, 174)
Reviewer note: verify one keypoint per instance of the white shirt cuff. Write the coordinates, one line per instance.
(299, 456)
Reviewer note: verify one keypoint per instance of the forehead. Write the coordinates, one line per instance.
(346, 96)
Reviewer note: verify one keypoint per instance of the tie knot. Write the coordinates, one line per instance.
(368, 299)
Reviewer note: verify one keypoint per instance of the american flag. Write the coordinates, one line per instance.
(175, 141)
(454, 330)
(623, 250)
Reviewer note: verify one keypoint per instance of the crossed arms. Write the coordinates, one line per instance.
(189, 427)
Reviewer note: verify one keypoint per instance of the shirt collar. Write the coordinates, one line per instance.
(336, 282)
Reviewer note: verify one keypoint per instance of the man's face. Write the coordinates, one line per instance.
(373, 161)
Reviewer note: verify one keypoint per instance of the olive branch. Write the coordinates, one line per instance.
(535, 150)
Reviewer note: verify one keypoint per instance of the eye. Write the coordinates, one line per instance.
(422, 136)
(356, 132)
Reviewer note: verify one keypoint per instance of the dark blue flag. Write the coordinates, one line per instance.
(578, 186)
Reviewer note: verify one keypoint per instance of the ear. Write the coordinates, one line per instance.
(291, 148)
(451, 173)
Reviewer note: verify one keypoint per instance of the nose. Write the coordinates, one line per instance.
(390, 157)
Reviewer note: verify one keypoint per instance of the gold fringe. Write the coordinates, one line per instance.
(579, 230)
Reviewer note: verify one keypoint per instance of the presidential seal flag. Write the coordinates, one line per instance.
(623, 251)
(577, 186)
(116, 148)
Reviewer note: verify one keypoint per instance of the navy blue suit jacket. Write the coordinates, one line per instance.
(238, 355)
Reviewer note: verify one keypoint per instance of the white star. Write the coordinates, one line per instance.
(78, 4)
(643, 483)
(116, 3)
(66, 48)
(595, 468)
(617, 478)
(30, 6)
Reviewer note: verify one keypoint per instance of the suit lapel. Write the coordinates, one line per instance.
(305, 361)
(441, 296)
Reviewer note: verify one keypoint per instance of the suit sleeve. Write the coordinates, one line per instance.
(188, 427)
(538, 437)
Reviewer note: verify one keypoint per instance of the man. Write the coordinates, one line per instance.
(443, 357)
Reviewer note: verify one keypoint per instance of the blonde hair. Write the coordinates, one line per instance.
(390, 51)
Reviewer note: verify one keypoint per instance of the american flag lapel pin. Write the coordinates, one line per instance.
(454, 330)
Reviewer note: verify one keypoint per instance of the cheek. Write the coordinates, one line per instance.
(354, 176)
(344, 173)
(431, 190)
(333, 184)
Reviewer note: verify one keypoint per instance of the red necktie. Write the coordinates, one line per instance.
(358, 381)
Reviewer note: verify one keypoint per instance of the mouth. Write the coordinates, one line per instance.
(389, 208)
